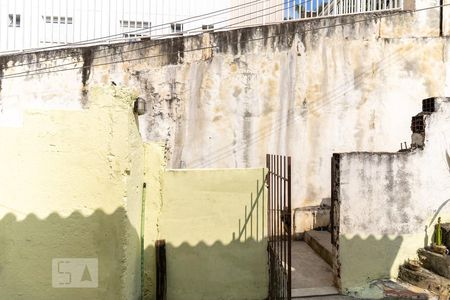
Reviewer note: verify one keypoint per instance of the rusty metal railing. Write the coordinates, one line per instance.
(279, 226)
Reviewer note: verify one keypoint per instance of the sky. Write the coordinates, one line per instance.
(289, 6)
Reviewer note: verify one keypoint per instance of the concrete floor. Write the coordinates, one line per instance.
(312, 277)
(308, 269)
(326, 298)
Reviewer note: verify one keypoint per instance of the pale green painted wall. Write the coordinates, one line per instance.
(71, 188)
(154, 170)
(211, 254)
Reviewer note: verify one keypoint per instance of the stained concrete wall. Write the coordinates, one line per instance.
(214, 225)
(389, 204)
(306, 88)
(71, 184)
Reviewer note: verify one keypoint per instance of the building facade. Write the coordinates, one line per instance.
(30, 24)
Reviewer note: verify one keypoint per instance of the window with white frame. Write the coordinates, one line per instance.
(176, 27)
(13, 20)
(134, 24)
(207, 27)
(57, 20)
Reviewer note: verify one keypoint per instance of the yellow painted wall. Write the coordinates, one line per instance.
(71, 188)
(154, 170)
(214, 225)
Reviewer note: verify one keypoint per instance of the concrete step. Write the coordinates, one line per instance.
(320, 242)
(423, 278)
(332, 297)
(393, 289)
(435, 262)
(314, 292)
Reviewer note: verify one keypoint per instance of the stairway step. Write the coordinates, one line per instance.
(434, 262)
(425, 279)
(320, 242)
(314, 292)
(402, 290)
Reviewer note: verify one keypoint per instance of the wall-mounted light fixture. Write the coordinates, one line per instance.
(139, 106)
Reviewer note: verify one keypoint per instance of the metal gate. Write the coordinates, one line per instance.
(279, 226)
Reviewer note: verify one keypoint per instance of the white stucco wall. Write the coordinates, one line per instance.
(389, 204)
(307, 89)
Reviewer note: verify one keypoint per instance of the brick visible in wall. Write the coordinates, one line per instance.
(429, 105)
(418, 124)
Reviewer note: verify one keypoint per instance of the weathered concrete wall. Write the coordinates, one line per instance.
(389, 204)
(71, 184)
(214, 225)
(307, 89)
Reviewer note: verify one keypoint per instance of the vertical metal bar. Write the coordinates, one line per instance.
(52, 26)
(101, 35)
(245, 225)
(38, 8)
(59, 21)
(143, 17)
(123, 16)
(269, 200)
(251, 216)
(81, 19)
(333, 197)
(267, 181)
(305, 6)
(274, 220)
(67, 21)
(283, 174)
(14, 25)
(161, 282)
(73, 20)
(129, 17)
(87, 21)
(276, 204)
(289, 176)
(273, 201)
(263, 206)
(270, 232)
(117, 23)
(287, 216)
(269, 205)
(150, 18)
(282, 233)
(22, 21)
(109, 18)
(94, 17)
(286, 223)
(45, 22)
(279, 206)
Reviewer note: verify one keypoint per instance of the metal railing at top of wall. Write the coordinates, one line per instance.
(34, 24)
(331, 8)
